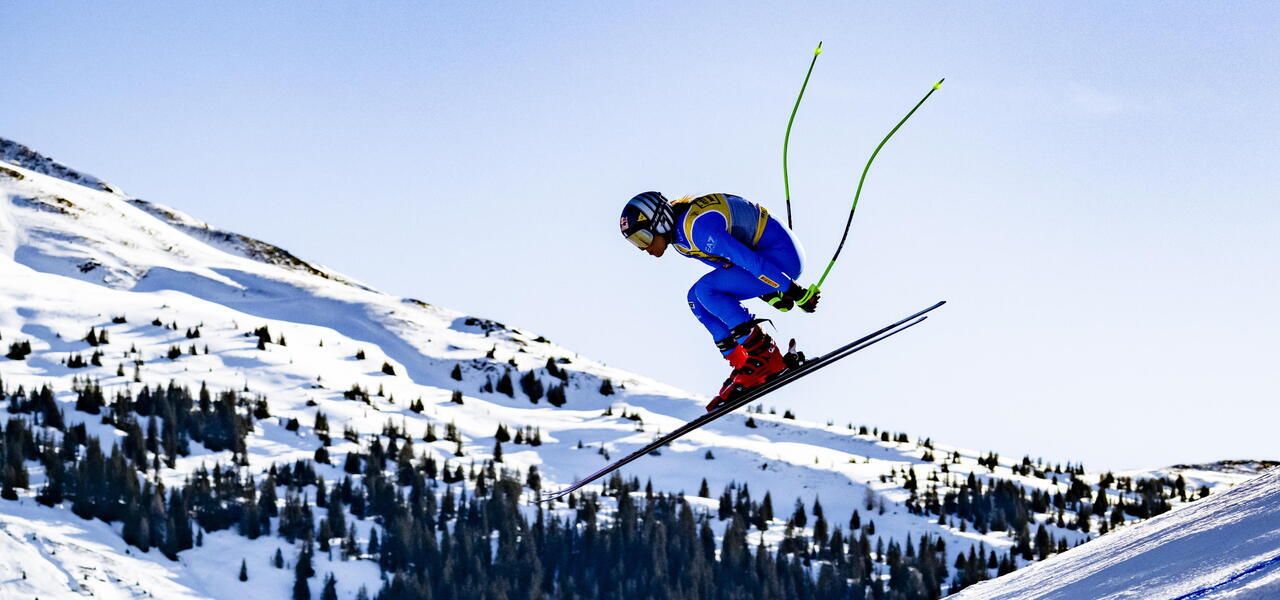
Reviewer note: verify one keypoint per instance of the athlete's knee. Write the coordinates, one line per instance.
(709, 297)
(694, 304)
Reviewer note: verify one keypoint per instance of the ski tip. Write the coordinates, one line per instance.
(548, 497)
(818, 50)
(939, 84)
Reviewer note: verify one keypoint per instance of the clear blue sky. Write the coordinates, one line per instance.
(1094, 190)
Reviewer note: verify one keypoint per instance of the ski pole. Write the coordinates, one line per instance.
(786, 141)
(815, 287)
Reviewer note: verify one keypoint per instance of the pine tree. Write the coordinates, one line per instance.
(532, 386)
(303, 568)
(6, 487)
(19, 350)
(556, 395)
(726, 504)
(798, 516)
(330, 588)
(1044, 544)
(244, 571)
(456, 373)
(301, 591)
(504, 385)
(324, 535)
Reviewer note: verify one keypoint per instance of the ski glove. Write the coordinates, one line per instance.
(806, 299)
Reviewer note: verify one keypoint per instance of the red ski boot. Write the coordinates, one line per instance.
(755, 361)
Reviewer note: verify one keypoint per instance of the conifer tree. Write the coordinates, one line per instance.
(244, 571)
(301, 591)
(330, 588)
(6, 487)
(556, 395)
(798, 517)
(532, 386)
(726, 504)
(504, 385)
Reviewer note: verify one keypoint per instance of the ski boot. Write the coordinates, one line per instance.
(754, 361)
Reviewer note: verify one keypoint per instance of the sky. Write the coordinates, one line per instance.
(1094, 190)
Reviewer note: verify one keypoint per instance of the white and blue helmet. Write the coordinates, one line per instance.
(645, 217)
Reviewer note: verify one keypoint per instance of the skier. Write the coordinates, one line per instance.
(754, 255)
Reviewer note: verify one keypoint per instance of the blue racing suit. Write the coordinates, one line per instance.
(753, 255)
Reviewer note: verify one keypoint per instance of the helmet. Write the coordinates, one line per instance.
(644, 217)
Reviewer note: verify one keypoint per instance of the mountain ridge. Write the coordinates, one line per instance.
(78, 261)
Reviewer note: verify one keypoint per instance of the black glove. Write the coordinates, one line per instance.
(806, 299)
(779, 301)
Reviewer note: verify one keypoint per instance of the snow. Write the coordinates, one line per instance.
(52, 554)
(1226, 546)
(74, 254)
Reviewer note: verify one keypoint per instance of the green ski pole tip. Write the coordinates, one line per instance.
(818, 50)
(939, 84)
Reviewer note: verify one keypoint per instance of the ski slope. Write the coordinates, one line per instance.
(77, 253)
(1224, 547)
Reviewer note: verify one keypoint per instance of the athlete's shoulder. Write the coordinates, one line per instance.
(702, 210)
(691, 208)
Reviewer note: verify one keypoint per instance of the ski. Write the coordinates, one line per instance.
(753, 394)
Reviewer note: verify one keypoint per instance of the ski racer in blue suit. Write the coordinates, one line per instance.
(753, 255)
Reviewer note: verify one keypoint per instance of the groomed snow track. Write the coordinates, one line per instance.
(1226, 546)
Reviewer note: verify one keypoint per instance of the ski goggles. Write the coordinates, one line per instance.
(640, 238)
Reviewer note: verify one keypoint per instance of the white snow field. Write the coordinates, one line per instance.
(78, 254)
(1226, 546)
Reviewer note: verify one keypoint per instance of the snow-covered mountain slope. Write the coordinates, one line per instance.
(51, 554)
(100, 288)
(1227, 546)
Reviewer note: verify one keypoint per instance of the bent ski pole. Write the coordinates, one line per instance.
(786, 141)
(815, 287)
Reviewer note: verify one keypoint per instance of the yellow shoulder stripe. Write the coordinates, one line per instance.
(701, 206)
